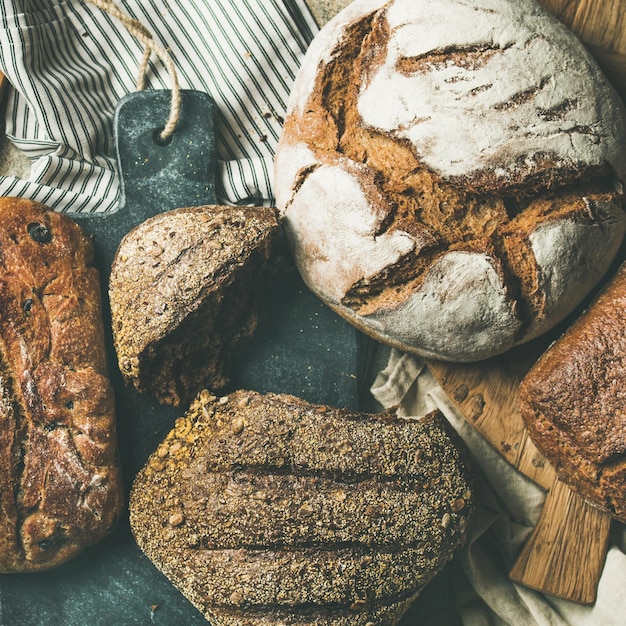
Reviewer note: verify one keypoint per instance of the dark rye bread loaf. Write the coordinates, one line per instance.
(573, 401)
(450, 175)
(185, 289)
(60, 484)
(267, 510)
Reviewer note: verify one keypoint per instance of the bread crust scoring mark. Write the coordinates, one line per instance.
(361, 524)
(382, 90)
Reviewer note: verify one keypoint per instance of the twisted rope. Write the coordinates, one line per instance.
(140, 32)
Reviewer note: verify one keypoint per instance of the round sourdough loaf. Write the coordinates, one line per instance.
(450, 173)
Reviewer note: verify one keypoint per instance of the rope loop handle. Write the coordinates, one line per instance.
(142, 34)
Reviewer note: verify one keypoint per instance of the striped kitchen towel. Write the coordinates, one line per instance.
(69, 63)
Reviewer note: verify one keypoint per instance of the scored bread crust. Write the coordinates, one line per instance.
(449, 176)
(60, 479)
(266, 509)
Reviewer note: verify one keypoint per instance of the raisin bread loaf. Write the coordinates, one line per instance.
(185, 289)
(573, 401)
(60, 483)
(265, 510)
(450, 175)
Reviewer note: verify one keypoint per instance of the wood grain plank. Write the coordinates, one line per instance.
(565, 554)
(596, 22)
(486, 394)
(569, 531)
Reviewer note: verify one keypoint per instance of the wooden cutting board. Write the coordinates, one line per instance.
(570, 532)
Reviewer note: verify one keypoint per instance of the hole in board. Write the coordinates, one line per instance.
(158, 140)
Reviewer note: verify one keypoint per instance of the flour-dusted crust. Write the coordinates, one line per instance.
(450, 175)
(60, 479)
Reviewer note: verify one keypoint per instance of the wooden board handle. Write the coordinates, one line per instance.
(569, 531)
(565, 554)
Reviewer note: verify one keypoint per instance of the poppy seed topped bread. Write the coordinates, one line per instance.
(450, 174)
(185, 289)
(60, 477)
(573, 401)
(266, 510)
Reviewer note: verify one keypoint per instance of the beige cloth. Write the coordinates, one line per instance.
(510, 506)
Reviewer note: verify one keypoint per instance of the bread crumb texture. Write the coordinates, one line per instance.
(267, 510)
(60, 484)
(573, 402)
(450, 173)
(186, 292)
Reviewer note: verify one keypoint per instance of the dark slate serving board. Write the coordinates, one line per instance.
(301, 348)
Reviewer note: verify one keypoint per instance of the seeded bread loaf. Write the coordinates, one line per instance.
(450, 175)
(573, 401)
(185, 289)
(60, 484)
(267, 510)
